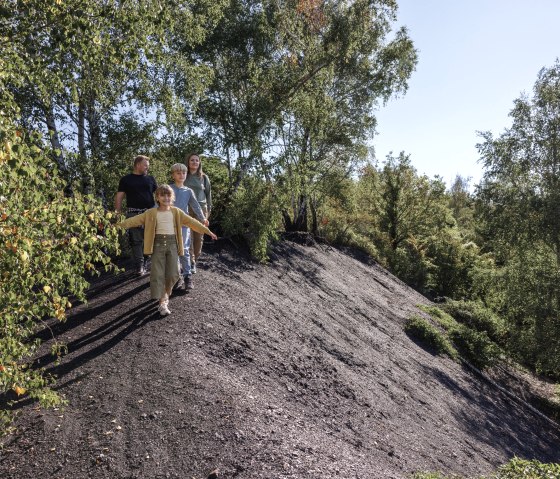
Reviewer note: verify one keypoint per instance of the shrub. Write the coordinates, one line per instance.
(475, 346)
(443, 319)
(48, 242)
(430, 336)
(477, 316)
(254, 215)
(523, 469)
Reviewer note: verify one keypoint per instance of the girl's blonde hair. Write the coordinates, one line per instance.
(165, 190)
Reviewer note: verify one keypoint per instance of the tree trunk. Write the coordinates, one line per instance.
(54, 138)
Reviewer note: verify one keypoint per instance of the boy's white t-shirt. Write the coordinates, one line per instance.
(164, 223)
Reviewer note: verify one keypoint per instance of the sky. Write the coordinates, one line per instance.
(475, 57)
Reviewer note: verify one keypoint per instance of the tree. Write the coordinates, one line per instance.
(83, 63)
(49, 244)
(518, 206)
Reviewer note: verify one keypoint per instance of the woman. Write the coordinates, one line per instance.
(200, 184)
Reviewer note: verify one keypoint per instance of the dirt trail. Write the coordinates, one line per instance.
(296, 369)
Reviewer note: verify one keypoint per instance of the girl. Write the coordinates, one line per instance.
(163, 240)
(200, 184)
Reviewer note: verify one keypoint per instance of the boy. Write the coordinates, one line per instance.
(184, 197)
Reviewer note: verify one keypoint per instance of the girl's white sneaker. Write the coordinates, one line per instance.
(163, 309)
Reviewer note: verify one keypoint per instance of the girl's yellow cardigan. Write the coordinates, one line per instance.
(148, 219)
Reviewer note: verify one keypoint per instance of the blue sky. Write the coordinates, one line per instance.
(475, 57)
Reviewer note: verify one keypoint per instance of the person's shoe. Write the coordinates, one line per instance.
(141, 271)
(193, 267)
(163, 309)
(188, 283)
(181, 283)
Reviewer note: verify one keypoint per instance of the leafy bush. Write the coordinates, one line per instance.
(443, 319)
(427, 334)
(475, 315)
(433, 475)
(475, 346)
(523, 469)
(515, 469)
(254, 215)
(48, 242)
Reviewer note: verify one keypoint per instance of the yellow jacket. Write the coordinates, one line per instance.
(148, 219)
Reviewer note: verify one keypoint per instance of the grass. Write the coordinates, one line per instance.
(516, 468)
(427, 334)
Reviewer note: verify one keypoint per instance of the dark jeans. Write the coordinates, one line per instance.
(136, 239)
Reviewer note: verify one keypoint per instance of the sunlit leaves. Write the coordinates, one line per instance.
(47, 243)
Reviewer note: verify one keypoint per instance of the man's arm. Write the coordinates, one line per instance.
(118, 201)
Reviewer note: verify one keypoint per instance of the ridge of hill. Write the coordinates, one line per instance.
(295, 369)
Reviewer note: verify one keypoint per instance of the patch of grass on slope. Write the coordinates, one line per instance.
(427, 334)
(515, 469)
(474, 345)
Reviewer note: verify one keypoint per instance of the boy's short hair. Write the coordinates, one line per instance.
(178, 167)
(139, 159)
(165, 190)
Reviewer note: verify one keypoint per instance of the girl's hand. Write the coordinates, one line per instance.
(213, 236)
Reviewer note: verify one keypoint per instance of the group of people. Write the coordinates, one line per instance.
(160, 219)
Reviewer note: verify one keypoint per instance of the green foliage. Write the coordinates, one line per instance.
(517, 213)
(434, 475)
(48, 244)
(444, 320)
(519, 468)
(516, 468)
(253, 215)
(430, 336)
(478, 317)
(409, 221)
(475, 346)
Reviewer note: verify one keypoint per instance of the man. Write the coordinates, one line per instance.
(139, 188)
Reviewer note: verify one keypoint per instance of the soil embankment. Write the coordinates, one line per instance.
(296, 369)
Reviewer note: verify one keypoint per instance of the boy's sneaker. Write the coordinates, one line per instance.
(188, 283)
(181, 283)
(193, 267)
(163, 309)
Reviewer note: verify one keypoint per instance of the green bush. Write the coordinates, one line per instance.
(48, 243)
(420, 329)
(523, 469)
(515, 469)
(477, 316)
(475, 346)
(254, 215)
(441, 317)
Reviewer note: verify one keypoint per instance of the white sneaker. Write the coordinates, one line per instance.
(181, 283)
(163, 309)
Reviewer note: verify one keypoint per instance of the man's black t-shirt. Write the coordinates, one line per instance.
(139, 190)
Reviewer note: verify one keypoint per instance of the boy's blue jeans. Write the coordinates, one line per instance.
(185, 260)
